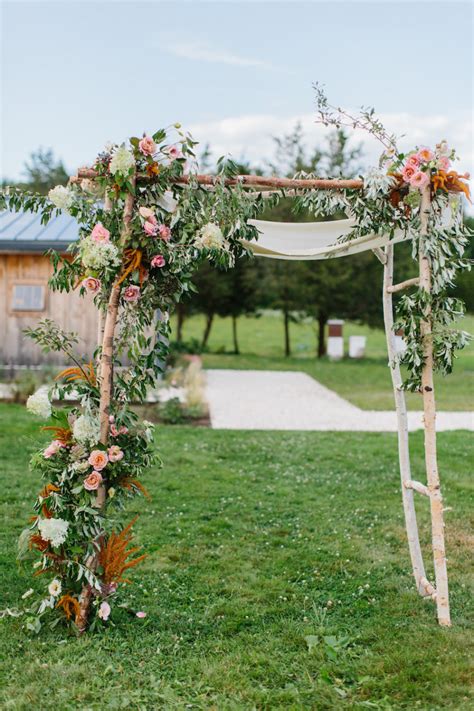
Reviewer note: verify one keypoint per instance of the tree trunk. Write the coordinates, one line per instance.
(234, 335)
(207, 329)
(322, 319)
(286, 325)
(106, 393)
(180, 316)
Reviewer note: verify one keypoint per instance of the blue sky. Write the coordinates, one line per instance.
(76, 75)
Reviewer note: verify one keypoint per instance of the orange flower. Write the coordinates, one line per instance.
(70, 606)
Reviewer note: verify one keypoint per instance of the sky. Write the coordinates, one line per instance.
(76, 75)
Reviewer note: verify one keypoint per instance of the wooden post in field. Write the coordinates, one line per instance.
(429, 408)
(106, 393)
(402, 426)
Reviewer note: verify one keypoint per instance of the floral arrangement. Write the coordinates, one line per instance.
(146, 222)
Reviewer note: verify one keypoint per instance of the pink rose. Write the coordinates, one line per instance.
(408, 172)
(104, 611)
(413, 160)
(93, 481)
(91, 284)
(443, 163)
(111, 418)
(164, 232)
(131, 293)
(123, 430)
(141, 614)
(115, 453)
(420, 179)
(100, 234)
(150, 228)
(147, 146)
(146, 212)
(425, 154)
(98, 459)
(174, 153)
(115, 431)
(53, 448)
(158, 261)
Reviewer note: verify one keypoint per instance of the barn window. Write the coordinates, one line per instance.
(28, 297)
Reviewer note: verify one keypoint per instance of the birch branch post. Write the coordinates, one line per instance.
(106, 391)
(402, 427)
(429, 410)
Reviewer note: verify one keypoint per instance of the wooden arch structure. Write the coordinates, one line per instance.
(438, 590)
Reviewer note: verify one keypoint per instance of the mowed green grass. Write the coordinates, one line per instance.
(256, 541)
(366, 383)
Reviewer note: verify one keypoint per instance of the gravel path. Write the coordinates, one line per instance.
(287, 400)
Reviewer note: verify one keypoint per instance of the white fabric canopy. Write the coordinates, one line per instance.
(312, 240)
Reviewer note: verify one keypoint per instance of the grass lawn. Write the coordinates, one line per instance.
(277, 578)
(366, 383)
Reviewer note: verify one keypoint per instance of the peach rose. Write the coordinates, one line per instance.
(158, 261)
(408, 173)
(164, 232)
(98, 459)
(425, 154)
(91, 284)
(150, 228)
(115, 453)
(131, 293)
(146, 212)
(93, 481)
(147, 146)
(100, 234)
(413, 160)
(419, 180)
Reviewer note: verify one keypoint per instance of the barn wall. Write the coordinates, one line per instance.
(69, 311)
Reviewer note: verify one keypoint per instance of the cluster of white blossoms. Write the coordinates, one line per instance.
(55, 587)
(53, 530)
(377, 183)
(122, 161)
(97, 255)
(39, 403)
(210, 237)
(61, 197)
(86, 430)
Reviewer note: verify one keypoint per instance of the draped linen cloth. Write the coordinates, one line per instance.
(312, 240)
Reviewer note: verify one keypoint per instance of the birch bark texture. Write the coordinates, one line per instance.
(402, 426)
(429, 410)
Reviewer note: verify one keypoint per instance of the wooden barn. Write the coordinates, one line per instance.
(25, 297)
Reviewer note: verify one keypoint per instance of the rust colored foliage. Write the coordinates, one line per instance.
(44, 493)
(86, 373)
(129, 483)
(451, 181)
(39, 543)
(132, 260)
(69, 605)
(63, 434)
(152, 169)
(114, 554)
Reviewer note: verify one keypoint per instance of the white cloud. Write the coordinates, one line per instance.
(201, 52)
(250, 137)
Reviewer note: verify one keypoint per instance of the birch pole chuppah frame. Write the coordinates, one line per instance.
(439, 590)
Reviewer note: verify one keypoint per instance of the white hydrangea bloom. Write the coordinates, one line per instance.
(80, 467)
(39, 403)
(54, 588)
(62, 197)
(97, 255)
(86, 430)
(122, 161)
(53, 530)
(210, 236)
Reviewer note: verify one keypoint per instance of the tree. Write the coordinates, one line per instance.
(43, 171)
(243, 296)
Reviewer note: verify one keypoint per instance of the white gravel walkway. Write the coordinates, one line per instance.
(288, 400)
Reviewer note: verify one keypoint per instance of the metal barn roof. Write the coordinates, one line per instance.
(23, 232)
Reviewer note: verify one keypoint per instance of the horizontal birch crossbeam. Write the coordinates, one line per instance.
(417, 486)
(403, 285)
(255, 181)
(430, 589)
